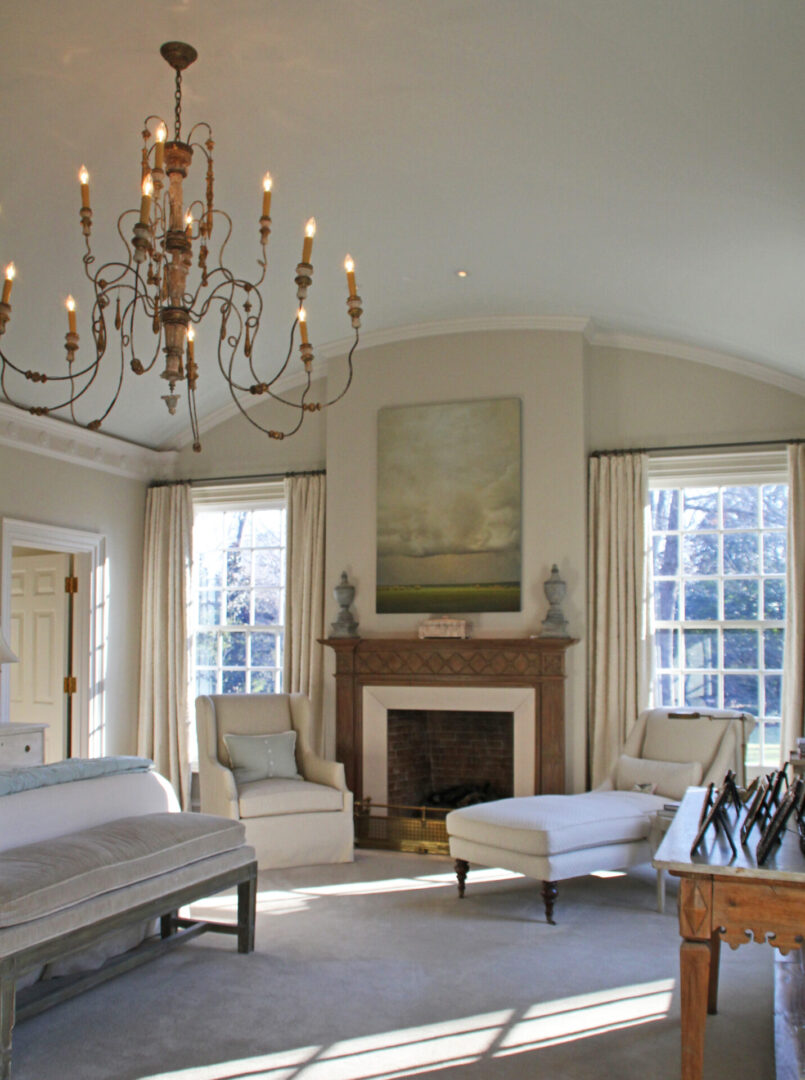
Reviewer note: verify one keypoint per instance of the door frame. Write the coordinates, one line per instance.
(89, 622)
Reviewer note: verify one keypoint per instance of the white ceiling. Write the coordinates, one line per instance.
(638, 162)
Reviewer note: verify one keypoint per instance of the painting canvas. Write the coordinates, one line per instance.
(449, 507)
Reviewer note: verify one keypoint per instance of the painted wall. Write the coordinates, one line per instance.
(637, 399)
(545, 370)
(42, 489)
(236, 448)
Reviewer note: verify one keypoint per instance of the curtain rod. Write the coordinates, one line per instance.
(700, 446)
(240, 479)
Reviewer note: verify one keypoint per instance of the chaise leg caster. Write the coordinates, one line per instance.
(461, 868)
(550, 890)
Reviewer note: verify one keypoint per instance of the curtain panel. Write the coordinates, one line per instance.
(619, 653)
(793, 711)
(163, 718)
(303, 664)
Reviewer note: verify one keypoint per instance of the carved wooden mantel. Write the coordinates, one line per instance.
(538, 663)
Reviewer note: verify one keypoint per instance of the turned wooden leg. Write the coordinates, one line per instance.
(461, 868)
(712, 984)
(247, 910)
(550, 891)
(7, 997)
(694, 978)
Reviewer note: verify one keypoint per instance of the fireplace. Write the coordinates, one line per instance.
(374, 676)
(524, 676)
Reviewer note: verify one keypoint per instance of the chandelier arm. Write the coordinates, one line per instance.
(126, 244)
(126, 340)
(199, 145)
(268, 390)
(332, 401)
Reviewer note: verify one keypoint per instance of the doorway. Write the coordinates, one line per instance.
(53, 606)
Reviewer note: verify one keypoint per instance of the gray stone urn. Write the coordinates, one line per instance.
(555, 624)
(346, 625)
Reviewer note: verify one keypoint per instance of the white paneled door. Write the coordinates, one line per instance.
(39, 637)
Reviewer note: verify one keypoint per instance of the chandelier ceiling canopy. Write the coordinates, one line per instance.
(169, 287)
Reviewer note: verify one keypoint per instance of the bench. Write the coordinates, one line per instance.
(74, 902)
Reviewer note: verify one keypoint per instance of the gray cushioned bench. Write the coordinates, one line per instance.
(63, 894)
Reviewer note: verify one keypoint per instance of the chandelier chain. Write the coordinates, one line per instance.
(178, 97)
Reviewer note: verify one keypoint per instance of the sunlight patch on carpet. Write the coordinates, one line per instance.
(415, 1051)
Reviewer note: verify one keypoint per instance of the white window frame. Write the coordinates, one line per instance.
(252, 495)
(701, 470)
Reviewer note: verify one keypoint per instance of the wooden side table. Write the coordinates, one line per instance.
(22, 744)
(722, 898)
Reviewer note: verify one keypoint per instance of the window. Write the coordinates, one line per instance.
(718, 562)
(239, 570)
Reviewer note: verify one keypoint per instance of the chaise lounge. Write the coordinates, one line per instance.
(556, 837)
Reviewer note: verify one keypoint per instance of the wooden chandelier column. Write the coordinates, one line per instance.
(538, 663)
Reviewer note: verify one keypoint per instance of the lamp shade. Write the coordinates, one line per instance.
(6, 655)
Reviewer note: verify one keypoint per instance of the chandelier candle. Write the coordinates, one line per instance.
(11, 273)
(70, 305)
(168, 279)
(159, 148)
(307, 246)
(83, 179)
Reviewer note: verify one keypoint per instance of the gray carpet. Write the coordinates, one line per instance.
(376, 970)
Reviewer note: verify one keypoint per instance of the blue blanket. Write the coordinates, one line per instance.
(63, 772)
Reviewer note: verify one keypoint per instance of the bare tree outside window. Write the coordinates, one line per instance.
(239, 558)
(718, 583)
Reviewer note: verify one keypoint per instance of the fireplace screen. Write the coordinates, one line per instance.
(437, 761)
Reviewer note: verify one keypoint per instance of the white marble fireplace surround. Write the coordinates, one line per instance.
(377, 700)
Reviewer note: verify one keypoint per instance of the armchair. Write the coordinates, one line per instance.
(289, 822)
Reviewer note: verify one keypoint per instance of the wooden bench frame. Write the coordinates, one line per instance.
(174, 930)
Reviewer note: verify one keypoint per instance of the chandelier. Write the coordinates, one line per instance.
(166, 284)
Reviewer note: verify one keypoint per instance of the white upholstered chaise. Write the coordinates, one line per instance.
(556, 837)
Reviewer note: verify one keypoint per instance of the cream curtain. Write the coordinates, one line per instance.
(165, 635)
(619, 655)
(304, 594)
(794, 663)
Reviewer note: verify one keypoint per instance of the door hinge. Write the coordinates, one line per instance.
(70, 684)
(71, 585)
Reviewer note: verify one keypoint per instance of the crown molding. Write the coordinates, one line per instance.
(78, 446)
(616, 339)
(332, 350)
(579, 324)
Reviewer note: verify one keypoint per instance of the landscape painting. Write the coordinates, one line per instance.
(449, 507)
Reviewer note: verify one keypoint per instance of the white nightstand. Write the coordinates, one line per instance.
(22, 744)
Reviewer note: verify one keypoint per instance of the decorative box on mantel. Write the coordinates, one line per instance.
(537, 663)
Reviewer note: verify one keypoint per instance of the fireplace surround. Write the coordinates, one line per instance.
(378, 673)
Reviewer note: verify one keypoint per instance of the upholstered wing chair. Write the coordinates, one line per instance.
(291, 820)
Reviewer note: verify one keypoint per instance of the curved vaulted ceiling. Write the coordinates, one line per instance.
(637, 162)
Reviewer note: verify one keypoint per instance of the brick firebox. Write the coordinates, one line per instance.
(432, 750)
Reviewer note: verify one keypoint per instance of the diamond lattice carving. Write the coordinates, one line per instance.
(694, 910)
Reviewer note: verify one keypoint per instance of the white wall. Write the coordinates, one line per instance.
(236, 448)
(37, 488)
(638, 399)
